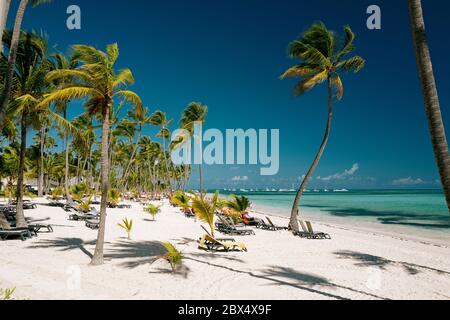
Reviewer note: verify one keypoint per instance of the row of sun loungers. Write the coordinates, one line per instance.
(227, 226)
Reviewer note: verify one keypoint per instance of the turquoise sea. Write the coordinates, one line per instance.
(424, 209)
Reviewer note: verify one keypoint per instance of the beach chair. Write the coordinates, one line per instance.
(227, 226)
(22, 233)
(274, 226)
(209, 243)
(84, 216)
(93, 224)
(317, 235)
(264, 226)
(304, 233)
(37, 227)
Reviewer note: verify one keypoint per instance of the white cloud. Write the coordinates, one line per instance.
(240, 178)
(341, 175)
(407, 182)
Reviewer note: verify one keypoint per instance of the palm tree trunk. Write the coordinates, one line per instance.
(97, 259)
(66, 161)
(4, 99)
(20, 218)
(41, 163)
(293, 223)
(200, 167)
(432, 106)
(4, 10)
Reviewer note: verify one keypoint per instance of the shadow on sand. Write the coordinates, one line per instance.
(367, 260)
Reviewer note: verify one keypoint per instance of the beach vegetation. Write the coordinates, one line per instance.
(7, 294)
(127, 225)
(323, 55)
(153, 210)
(173, 256)
(205, 209)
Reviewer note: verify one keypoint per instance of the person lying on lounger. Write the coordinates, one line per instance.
(248, 220)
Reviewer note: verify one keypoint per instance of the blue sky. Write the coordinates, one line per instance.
(229, 55)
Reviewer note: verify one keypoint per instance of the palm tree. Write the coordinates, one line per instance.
(4, 10)
(97, 80)
(238, 204)
(8, 81)
(61, 62)
(159, 119)
(322, 57)
(28, 89)
(432, 105)
(205, 209)
(195, 113)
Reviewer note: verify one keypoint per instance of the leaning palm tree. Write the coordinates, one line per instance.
(9, 74)
(432, 106)
(97, 81)
(195, 113)
(323, 56)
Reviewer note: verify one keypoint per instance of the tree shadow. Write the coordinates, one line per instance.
(368, 260)
(301, 281)
(136, 253)
(65, 244)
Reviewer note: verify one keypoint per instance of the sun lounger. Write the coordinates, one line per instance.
(264, 226)
(209, 243)
(84, 216)
(22, 233)
(93, 224)
(317, 235)
(308, 232)
(274, 226)
(227, 226)
(37, 227)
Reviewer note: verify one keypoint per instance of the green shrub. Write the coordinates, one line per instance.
(152, 210)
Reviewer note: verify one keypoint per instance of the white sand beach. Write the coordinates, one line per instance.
(355, 264)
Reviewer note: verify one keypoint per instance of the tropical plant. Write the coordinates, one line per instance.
(56, 193)
(205, 209)
(78, 191)
(238, 204)
(9, 74)
(127, 225)
(432, 105)
(114, 197)
(195, 113)
(152, 210)
(173, 256)
(6, 294)
(97, 81)
(323, 56)
(181, 199)
(85, 204)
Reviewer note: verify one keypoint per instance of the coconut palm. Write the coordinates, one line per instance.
(127, 225)
(173, 256)
(432, 105)
(205, 209)
(61, 62)
(4, 10)
(238, 204)
(9, 74)
(195, 113)
(27, 91)
(323, 56)
(181, 200)
(97, 81)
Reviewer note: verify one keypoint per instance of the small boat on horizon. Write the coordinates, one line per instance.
(340, 190)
